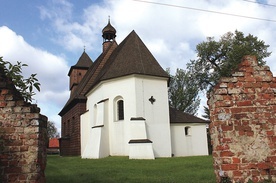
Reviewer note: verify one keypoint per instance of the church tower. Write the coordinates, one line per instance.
(77, 71)
(109, 34)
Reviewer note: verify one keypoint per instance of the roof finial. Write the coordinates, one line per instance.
(108, 18)
(84, 48)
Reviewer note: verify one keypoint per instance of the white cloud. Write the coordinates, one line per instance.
(51, 70)
(73, 33)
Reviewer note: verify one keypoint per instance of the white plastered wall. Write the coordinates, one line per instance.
(189, 145)
(135, 90)
(156, 114)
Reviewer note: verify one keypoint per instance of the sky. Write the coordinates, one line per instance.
(51, 35)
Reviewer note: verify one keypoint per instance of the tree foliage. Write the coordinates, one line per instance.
(206, 114)
(52, 130)
(183, 93)
(24, 85)
(219, 58)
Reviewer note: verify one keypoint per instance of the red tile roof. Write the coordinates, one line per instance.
(53, 143)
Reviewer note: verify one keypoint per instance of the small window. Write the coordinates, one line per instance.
(120, 109)
(187, 130)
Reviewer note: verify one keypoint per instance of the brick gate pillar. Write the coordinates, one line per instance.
(23, 137)
(243, 124)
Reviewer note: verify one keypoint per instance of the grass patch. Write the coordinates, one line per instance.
(121, 169)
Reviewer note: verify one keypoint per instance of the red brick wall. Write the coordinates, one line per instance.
(243, 124)
(22, 137)
(70, 131)
(75, 78)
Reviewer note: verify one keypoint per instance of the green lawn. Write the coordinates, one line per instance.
(120, 170)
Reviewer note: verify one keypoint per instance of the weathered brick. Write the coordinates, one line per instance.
(227, 128)
(226, 103)
(24, 148)
(229, 166)
(223, 85)
(11, 103)
(226, 154)
(270, 133)
(3, 104)
(4, 91)
(234, 90)
(250, 79)
(19, 150)
(244, 103)
(12, 170)
(238, 74)
(245, 127)
(222, 147)
(264, 165)
(237, 173)
(221, 91)
(229, 80)
(235, 160)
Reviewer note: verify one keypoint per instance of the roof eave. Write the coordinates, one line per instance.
(70, 105)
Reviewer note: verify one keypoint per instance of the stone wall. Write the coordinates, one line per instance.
(243, 124)
(23, 137)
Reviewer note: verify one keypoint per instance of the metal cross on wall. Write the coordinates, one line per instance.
(152, 100)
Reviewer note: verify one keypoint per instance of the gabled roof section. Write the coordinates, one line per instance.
(131, 57)
(84, 62)
(177, 116)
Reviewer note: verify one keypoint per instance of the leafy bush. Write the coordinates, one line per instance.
(24, 85)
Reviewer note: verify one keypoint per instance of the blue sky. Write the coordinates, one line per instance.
(50, 35)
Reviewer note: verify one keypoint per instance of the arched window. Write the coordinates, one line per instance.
(120, 110)
(187, 130)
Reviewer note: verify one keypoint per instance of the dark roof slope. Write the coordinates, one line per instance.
(131, 57)
(84, 62)
(177, 116)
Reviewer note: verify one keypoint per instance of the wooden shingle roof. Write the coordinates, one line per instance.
(131, 56)
(84, 62)
(177, 116)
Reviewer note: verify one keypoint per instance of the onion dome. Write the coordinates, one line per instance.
(109, 32)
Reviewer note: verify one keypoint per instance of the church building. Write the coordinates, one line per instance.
(118, 106)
